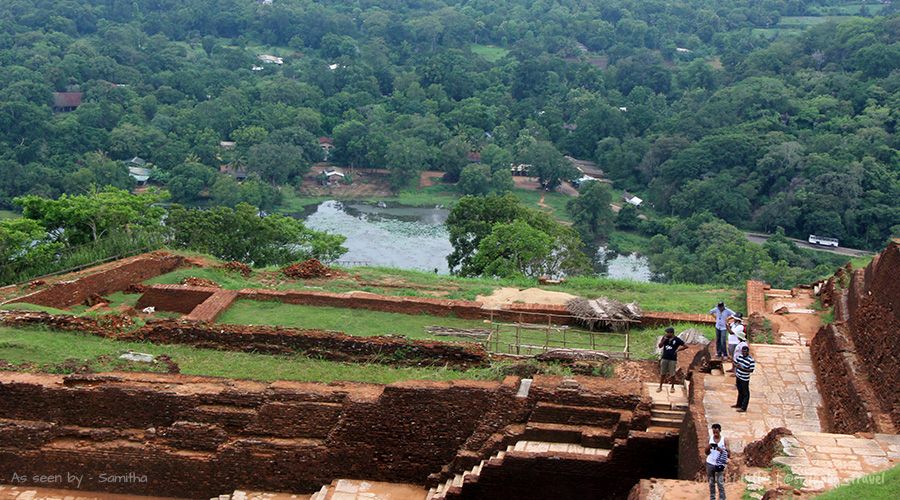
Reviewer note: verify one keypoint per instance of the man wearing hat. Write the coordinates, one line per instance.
(721, 313)
(736, 328)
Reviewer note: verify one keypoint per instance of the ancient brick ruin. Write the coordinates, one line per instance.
(856, 355)
(200, 437)
(531, 438)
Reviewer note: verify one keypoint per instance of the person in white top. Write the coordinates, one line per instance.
(716, 456)
(736, 328)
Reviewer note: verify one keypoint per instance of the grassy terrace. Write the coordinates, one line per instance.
(39, 350)
(365, 323)
(651, 296)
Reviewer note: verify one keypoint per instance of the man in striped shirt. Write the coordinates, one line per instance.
(743, 367)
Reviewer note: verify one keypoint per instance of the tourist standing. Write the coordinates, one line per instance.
(716, 458)
(743, 367)
(670, 345)
(736, 328)
(721, 313)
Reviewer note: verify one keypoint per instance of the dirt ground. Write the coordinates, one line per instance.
(803, 323)
(509, 295)
(526, 182)
(430, 178)
(670, 489)
(366, 183)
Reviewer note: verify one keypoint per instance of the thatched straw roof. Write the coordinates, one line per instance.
(603, 311)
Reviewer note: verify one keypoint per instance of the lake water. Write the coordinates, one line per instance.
(416, 238)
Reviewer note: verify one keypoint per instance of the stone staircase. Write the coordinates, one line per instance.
(552, 428)
(524, 447)
(668, 408)
(666, 417)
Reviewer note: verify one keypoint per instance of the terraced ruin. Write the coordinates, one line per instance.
(419, 402)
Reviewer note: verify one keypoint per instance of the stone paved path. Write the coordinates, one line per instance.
(827, 460)
(783, 393)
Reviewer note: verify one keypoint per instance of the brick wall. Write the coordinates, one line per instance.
(694, 434)
(319, 343)
(174, 298)
(756, 297)
(111, 279)
(528, 476)
(871, 308)
(200, 437)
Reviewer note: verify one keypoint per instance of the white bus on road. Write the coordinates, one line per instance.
(823, 240)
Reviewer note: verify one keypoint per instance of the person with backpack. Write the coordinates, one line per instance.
(716, 459)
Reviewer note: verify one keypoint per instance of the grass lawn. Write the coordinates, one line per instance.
(651, 296)
(491, 53)
(8, 214)
(883, 485)
(438, 194)
(359, 322)
(292, 203)
(555, 202)
(364, 323)
(62, 352)
(628, 242)
(861, 262)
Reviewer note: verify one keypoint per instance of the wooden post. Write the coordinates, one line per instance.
(518, 340)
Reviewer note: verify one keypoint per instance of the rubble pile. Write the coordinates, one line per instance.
(307, 269)
(238, 267)
(201, 282)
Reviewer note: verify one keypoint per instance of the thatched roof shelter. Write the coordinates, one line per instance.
(604, 313)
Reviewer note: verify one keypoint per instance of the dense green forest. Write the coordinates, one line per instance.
(730, 108)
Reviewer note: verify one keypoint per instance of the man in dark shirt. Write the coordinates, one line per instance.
(670, 345)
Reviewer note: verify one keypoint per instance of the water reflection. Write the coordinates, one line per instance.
(391, 236)
(614, 265)
(416, 238)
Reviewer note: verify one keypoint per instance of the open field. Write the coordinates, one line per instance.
(64, 352)
(359, 322)
(651, 296)
(491, 53)
(554, 203)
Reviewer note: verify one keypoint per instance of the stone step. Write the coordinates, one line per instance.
(669, 406)
(667, 413)
(551, 447)
(322, 494)
(662, 430)
(666, 422)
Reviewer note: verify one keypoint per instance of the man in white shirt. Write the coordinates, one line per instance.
(721, 313)
(716, 458)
